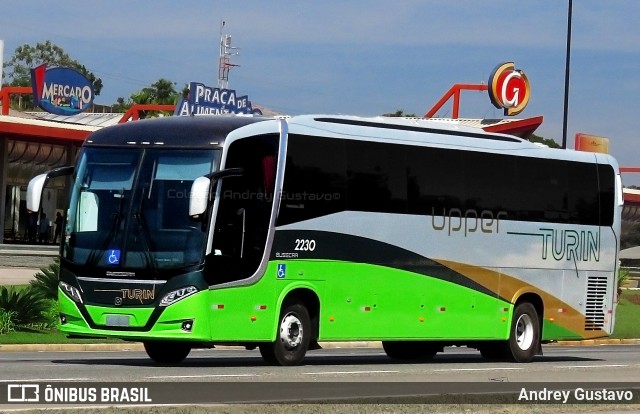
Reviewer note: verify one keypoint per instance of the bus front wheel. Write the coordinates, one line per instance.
(167, 352)
(293, 337)
(524, 340)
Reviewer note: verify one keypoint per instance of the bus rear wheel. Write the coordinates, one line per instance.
(293, 337)
(524, 340)
(408, 350)
(167, 352)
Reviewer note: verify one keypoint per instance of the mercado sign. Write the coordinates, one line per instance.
(61, 91)
(204, 99)
(509, 88)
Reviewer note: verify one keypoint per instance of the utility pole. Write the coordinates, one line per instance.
(566, 77)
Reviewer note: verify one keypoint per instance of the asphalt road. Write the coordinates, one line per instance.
(558, 364)
(326, 375)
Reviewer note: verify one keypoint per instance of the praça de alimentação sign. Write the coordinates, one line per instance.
(204, 99)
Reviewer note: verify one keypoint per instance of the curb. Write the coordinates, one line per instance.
(134, 346)
(71, 347)
(607, 341)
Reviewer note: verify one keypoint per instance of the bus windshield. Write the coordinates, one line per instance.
(129, 208)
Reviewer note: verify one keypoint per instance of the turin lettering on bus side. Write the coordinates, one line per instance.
(571, 244)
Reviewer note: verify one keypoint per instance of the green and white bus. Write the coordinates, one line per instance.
(280, 233)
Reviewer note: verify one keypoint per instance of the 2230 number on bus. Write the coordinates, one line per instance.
(305, 245)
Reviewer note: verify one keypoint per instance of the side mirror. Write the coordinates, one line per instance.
(34, 191)
(199, 196)
(37, 183)
(201, 187)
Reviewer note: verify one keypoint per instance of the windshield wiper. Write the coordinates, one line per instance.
(95, 254)
(143, 230)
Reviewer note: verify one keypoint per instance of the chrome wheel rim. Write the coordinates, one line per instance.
(291, 331)
(524, 332)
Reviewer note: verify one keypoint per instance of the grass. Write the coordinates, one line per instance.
(627, 314)
(39, 334)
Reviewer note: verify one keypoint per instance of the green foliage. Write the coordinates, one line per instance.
(627, 316)
(6, 322)
(549, 142)
(399, 113)
(51, 317)
(46, 281)
(26, 305)
(623, 277)
(162, 92)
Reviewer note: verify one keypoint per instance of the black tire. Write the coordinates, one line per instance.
(292, 339)
(169, 353)
(524, 340)
(409, 350)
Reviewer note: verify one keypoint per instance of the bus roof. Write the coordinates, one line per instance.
(433, 132)
(207, 131)
(173, 131)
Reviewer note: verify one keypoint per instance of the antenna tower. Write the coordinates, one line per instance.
(225, 65)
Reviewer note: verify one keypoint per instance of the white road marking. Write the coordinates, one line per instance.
(202, 376)
(478, 369)
(43, 379)
(591, 366)
(349, 372)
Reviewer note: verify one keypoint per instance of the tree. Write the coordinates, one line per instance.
(549, 142)
(399, 113)
(17, 69)
(164, 92)
(121, 105)
(161, 92)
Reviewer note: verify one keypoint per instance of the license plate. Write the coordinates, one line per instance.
(118, 320)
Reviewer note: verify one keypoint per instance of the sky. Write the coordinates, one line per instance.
(362, 57)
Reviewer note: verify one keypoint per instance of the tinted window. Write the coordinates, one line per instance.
(542, 190)
(376, 177)
(435, 180)
(489, 181)
(380, 177)
(315, 181)
(606, 179)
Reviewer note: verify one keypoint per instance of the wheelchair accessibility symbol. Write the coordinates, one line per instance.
(282, 271)
(114, 257)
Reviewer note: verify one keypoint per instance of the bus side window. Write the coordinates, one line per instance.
(245, 207)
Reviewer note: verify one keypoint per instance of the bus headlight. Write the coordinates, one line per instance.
(71, 291)
(177, 295)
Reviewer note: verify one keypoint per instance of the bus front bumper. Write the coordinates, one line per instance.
(185, 320)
